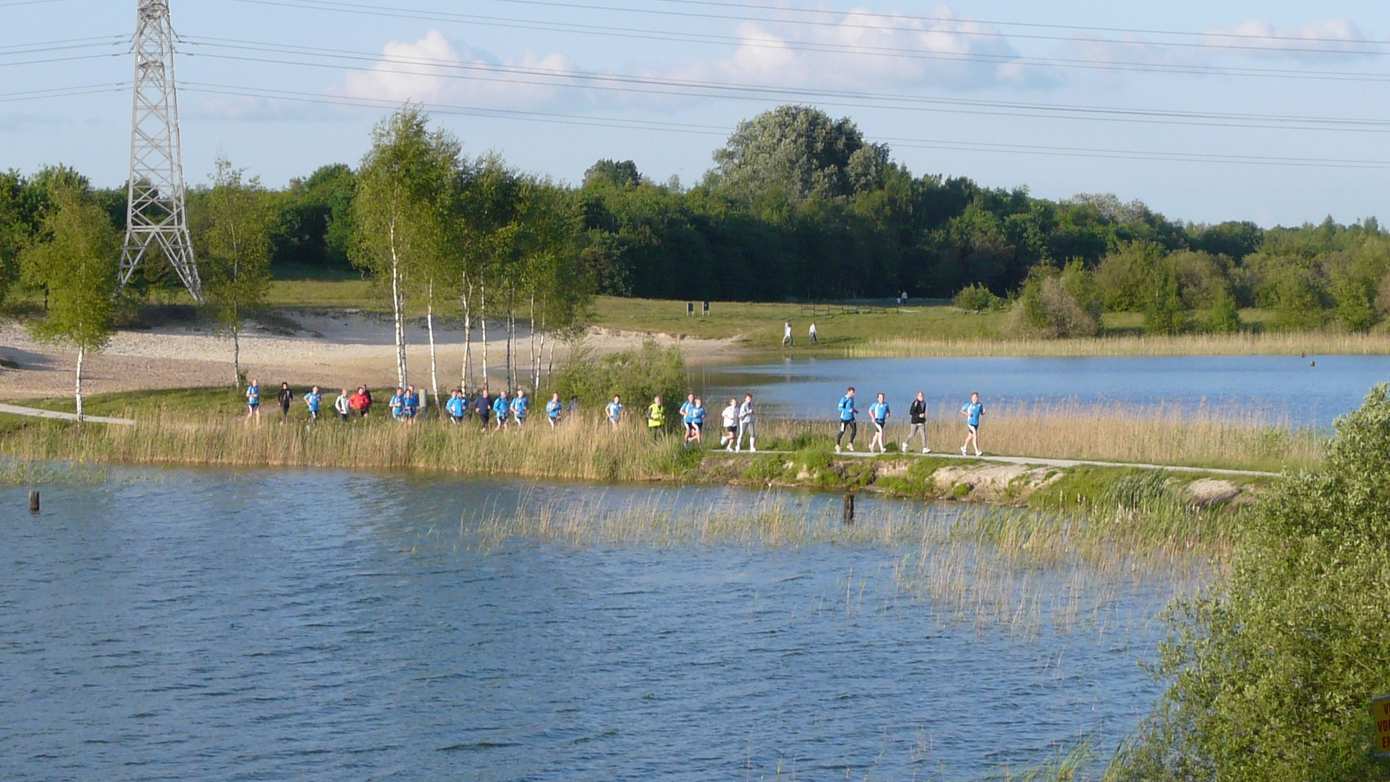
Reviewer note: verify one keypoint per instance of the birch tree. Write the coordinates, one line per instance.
(398, 228)
(75, 259)
(236, 230)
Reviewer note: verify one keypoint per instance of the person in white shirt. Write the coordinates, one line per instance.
(342, 405)
(812, 334)
(729, 419)
(787, 334)
(745, 425)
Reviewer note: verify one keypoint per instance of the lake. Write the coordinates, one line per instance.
(187, 624)
(1275, 388)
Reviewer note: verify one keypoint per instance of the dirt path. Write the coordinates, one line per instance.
(339, 349)
(33, 412)
(1034, 461)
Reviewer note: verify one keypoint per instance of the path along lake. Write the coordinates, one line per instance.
(1305, 392)
(185, 624)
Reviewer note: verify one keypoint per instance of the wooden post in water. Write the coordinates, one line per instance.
(33, 500)
(849, 509)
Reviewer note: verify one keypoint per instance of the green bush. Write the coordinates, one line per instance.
(1223, 317)
(1163, 307)
(977, 298)
(635, 375)
(1047, 306)
(1272, 673)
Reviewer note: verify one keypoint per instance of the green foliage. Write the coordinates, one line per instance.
(1272, 674)
(977, 298)
(234, 232)
(794, 153)
(75, 261)
(1163, 306)
(1050, 304)
(637, 376)
(1299, 298)
(1125, 276)
(14, 231)
(1223, 316)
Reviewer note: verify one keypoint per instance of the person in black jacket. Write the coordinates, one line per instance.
(285, 397)
(917, 414)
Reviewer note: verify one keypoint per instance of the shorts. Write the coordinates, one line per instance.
(254, 405)
(731, 429)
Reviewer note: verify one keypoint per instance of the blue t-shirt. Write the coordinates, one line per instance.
(686, 407)
(484, 407)
(313, 401)
(455, 406)
(253, 396)
(396, 404)
(972, 412)
(846, 407)
(409, 404)
(697, 414)
(879, 411)
(500, 406)
(520, 405)
(615, 411)
(552, 409)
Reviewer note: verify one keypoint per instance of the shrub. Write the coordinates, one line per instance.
(977, 298)
(1272, 674)
(1046, 308)
(636, 375)
(1163, 308)
(1222, 317)
(1123, 277)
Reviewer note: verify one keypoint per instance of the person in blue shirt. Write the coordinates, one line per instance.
(456, 406)
(314, 401)
(410, 404)
(253, 400)
(553, 409)
(848, 426)
(501, 409)
(685, 409)
(972, 411)
(482, 405)
(878, 414)
(614, 411)
(520, 407)
(397, 403)
(697, 420)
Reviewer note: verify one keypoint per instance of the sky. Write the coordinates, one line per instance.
(1252, 113)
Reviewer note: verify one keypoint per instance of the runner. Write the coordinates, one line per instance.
(697, 420)
(729, 418)
(343, 404)
(482, 405)
(520, 407)
(253, 400)
(314, 400)
(812, 334)
(552, 410)
(686, 407)
(917, 413)
(847, 423)
(285, 397)
(501, 410)
(361, 402)
(410, 404)
(397, 404)
(878, 414)
(456, 406)
(972, 412)
(787, 334)
(656, 416)
(746, 426)
(614, 411)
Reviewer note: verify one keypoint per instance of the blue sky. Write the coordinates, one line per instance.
(828, 51)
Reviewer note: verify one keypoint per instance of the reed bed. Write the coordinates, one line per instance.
(1241, 344)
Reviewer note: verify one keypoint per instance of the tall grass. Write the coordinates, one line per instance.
(1242, 344)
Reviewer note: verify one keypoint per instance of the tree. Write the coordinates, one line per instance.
(397, 208)
(235, 233)
(14, 231)
(1126, 275)
(75, 261)
(1271, 675)
(1223, 316)
(1163, 308)
(612, 173)
(795, 151)
(1047, 307)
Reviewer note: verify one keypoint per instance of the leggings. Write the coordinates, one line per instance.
(847, 426)
(918, 429)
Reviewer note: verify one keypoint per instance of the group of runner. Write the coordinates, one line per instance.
(737, 420)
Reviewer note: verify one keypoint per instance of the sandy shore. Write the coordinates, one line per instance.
(339, 349)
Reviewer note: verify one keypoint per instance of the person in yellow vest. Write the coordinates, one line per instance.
(656, 416)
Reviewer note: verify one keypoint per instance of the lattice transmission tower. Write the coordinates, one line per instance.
(156, 214)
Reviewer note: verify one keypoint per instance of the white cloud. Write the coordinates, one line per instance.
(1256, 37)
(432, 70)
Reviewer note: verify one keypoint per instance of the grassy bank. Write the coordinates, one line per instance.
(1244, 344)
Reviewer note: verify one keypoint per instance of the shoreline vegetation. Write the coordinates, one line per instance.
(1302, 344)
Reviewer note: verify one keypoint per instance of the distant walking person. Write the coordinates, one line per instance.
(686, 407)
(972, 411)
(848, 426)
(482, 406)
(697, 420)
(614, 411)
(811, 332)
(553, 408)
(878, 414)
(397, 404)
(456, 407)
(728, 418)
(917, 414)
(787, 334)
(361, 402)
(746, 425)
(656, 416)
(410, 404)
(314, 401)
(284, 397)
(521, 406)
(343, 404)
(253, 400)
(501, 410)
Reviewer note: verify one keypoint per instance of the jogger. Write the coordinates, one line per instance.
(746, 425)
(972, 411)
(878, 414)
(847, 423)
(917, 414)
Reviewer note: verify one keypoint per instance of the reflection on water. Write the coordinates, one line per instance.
(1303, 391)
(274, 625)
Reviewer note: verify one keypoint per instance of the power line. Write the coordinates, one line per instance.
(43, 49)
(1032, 25)
(923, 104)
(48, 60)
(63, 92)
(113, 39)
(711, 39)
(709, 130)
(957, 31)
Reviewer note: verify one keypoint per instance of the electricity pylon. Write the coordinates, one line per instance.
(156, 214)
